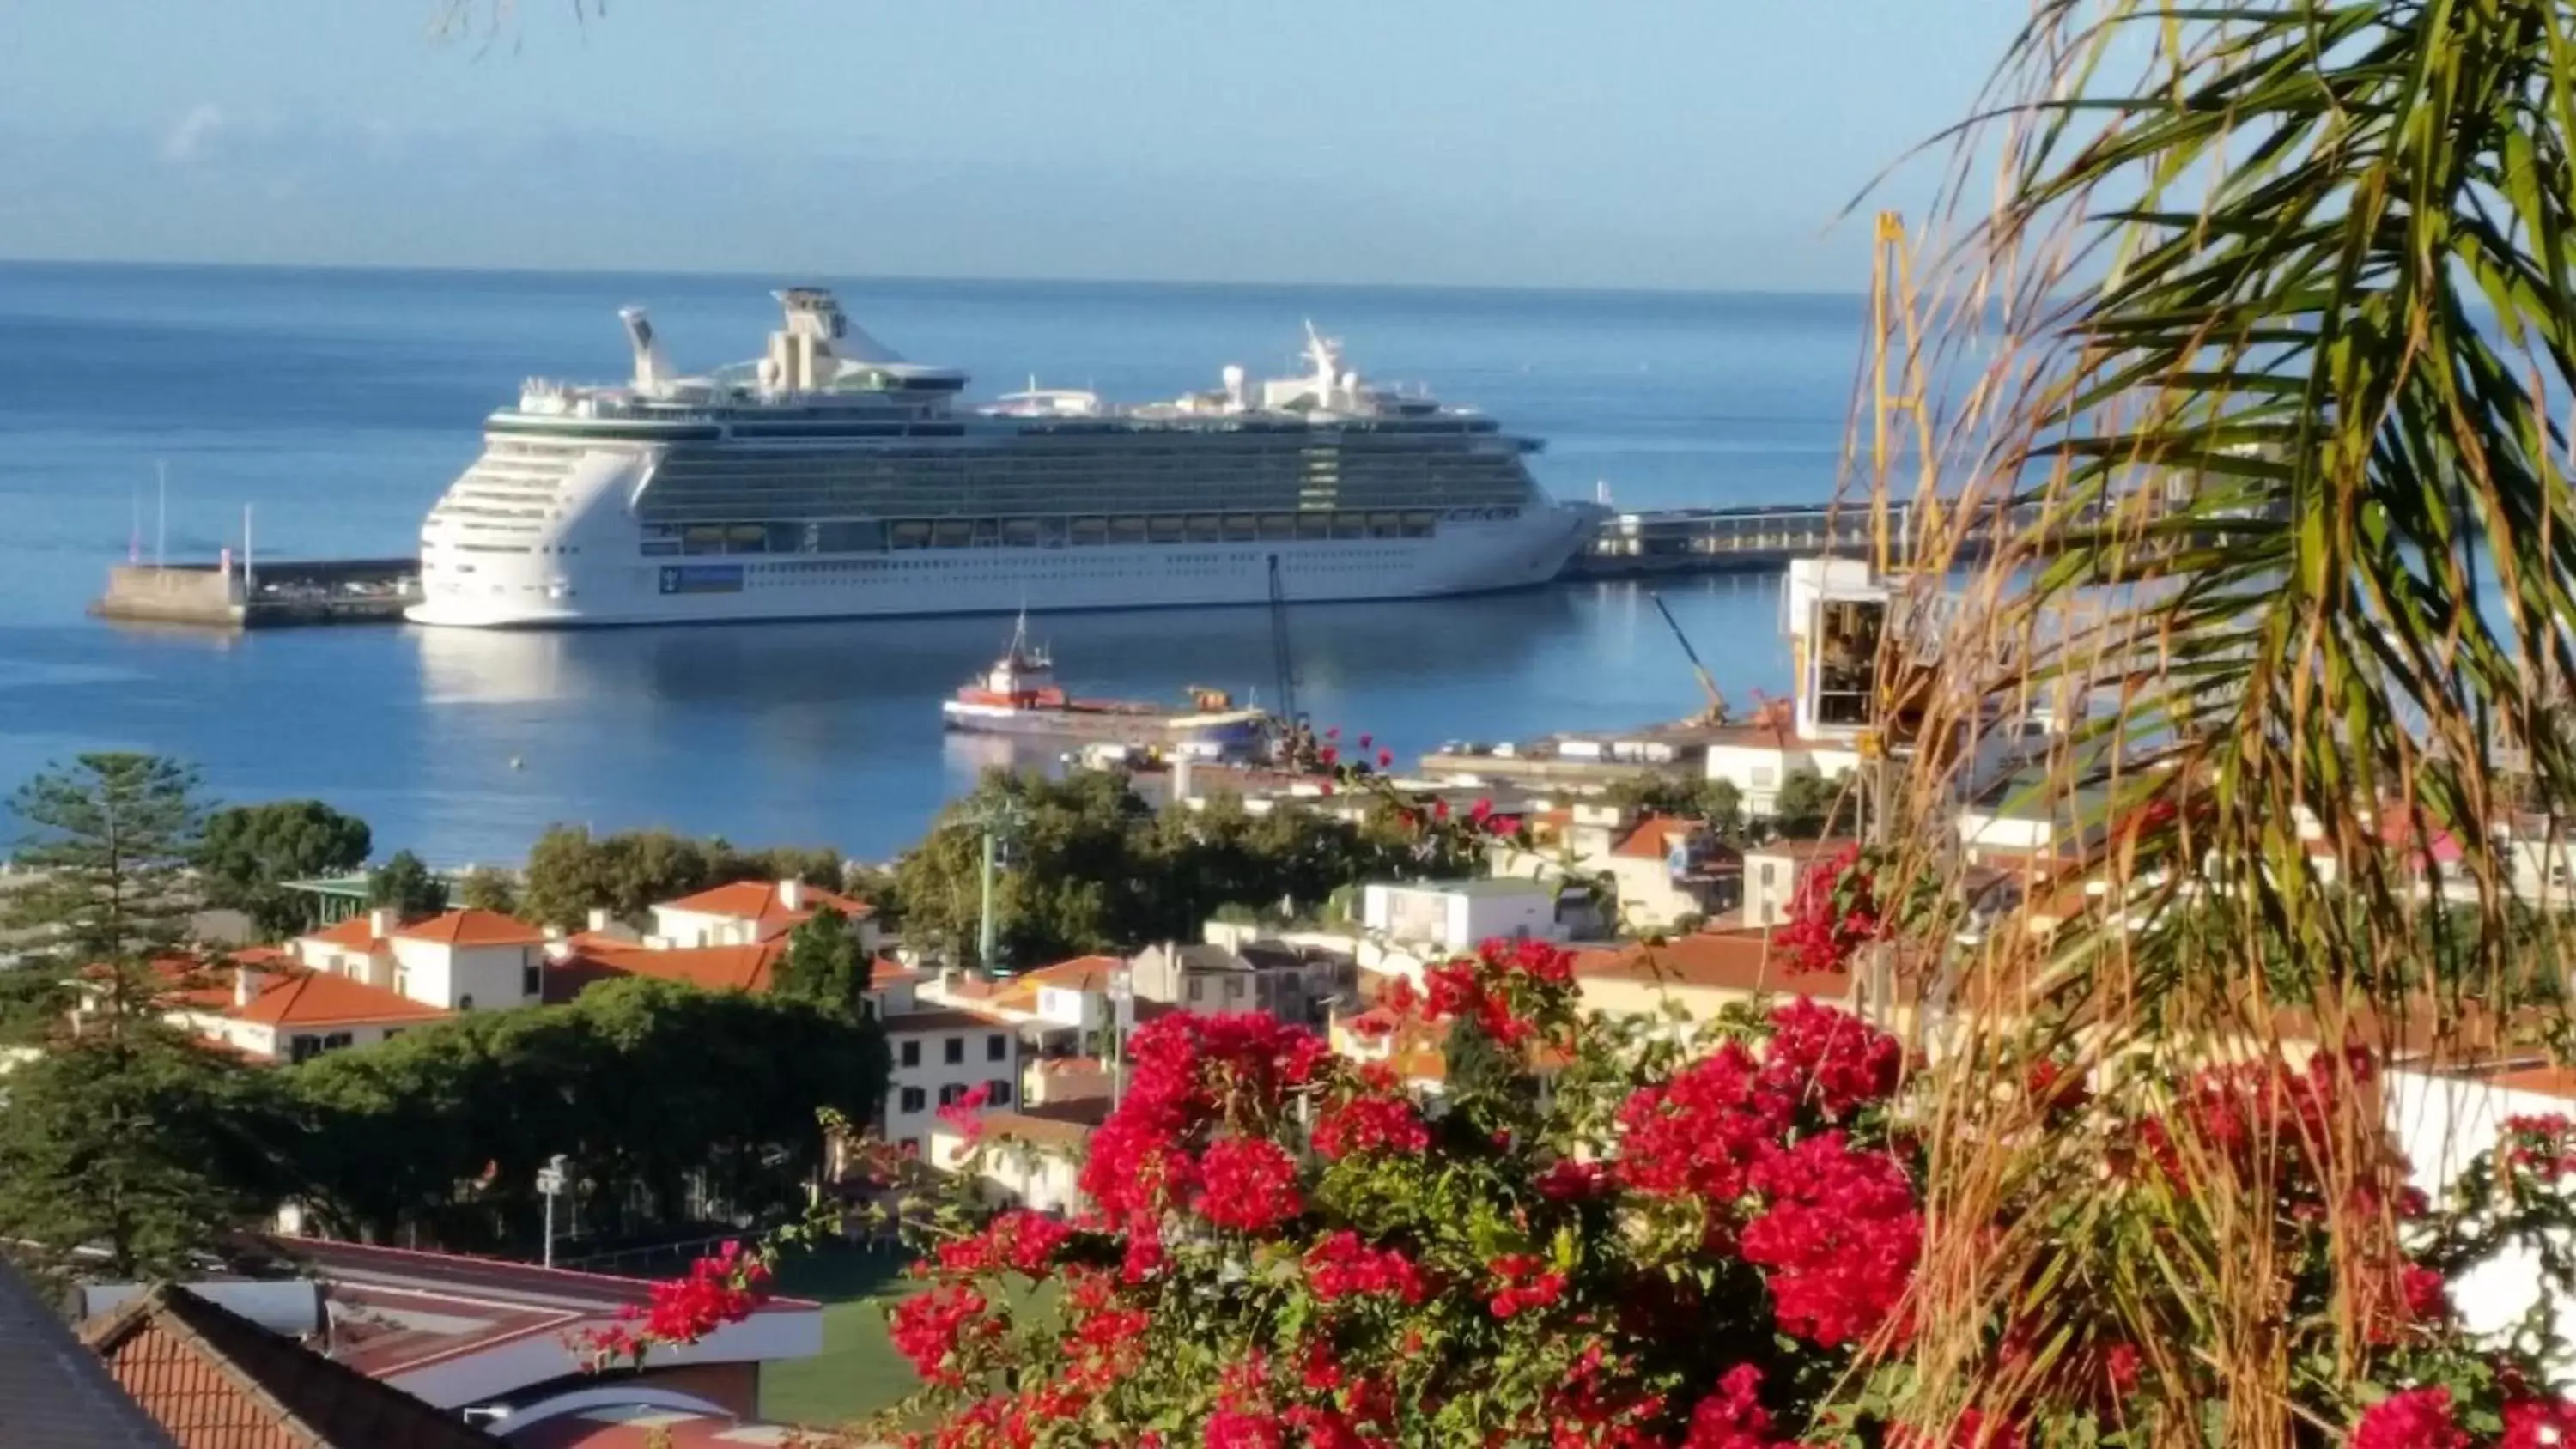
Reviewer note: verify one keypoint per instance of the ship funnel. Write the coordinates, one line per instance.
(652, 369)
(1235, 400)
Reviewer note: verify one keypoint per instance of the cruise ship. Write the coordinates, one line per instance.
(834, 479)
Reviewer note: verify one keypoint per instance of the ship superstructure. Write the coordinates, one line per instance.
(833, 478)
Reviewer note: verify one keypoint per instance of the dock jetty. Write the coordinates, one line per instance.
(227, 594)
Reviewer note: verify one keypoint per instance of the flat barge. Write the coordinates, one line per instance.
(1019, 696)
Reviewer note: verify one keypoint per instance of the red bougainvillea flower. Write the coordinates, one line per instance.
(1371, 1123)
(933, 1329)
(1327, 755)
(1342, 1267)
(1830, 1059)
(2415, 1419)
(1700, 1133)
(1570, 1180)
(1522, 1282)
(1020, 1240)
(964, 1113)
(1840, 1238)
(1834, 913)
(1385, 758)
(1733, 1416)
(1248, 1184)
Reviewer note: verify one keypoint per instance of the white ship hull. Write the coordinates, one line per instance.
(835, 480)
(1462, 558)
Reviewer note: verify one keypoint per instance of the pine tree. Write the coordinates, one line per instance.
(128, 1138)
(109, 847)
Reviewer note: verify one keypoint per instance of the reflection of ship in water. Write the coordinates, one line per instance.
(885, 675)
(1019, 695)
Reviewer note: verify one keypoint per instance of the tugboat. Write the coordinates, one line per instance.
(1019, 696)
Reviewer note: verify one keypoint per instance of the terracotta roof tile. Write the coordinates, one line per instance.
(1082, 973)
(711, 968)
(945, 1019)
(1652, 839)
(211, 1376)
(1711, 960)
(358, 933)
(325, 998)
(758, 900)
(473, 928)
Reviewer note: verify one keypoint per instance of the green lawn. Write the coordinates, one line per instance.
(858, 1372)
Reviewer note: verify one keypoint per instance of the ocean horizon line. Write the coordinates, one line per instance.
(802, 276)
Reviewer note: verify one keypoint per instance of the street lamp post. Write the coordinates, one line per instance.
(550, 1183)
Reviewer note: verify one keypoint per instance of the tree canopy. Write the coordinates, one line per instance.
(1094, 867)
(249, 851)
(107, 852)
(673, 1104)
(408, 885)
(486, 888)
(823, 965)
(1698, 798)
(571, 872)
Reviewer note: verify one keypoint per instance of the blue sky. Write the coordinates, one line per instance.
(1617, 143)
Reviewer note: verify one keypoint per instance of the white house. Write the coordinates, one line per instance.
(265, 1006)
(749, 911)
(1030, 1159)
(1756, 759)
(1772, 873)
(1459, 915)
(457, 960)
(940, 1056)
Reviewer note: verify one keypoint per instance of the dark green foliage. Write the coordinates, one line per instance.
(648, 1087)
(249, 851)
(407, 885)
(1809, 805)
(138, 1142)
(1095, 868)
(572, 873)
(1715, 801)
(823, 965)
(487, 889)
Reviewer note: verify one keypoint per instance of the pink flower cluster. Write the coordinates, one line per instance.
(1834, 912)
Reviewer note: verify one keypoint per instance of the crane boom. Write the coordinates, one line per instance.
(1708, 686)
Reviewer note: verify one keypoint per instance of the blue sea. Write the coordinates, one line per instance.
(336, 405)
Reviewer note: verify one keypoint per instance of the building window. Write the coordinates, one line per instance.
(337, 1040)
(867, 1008)
(532, 981)
(391, 1032)
(1198, 989)
(996, 1047)
(402, 978)
(303, 1048)
(914, 1100)
(949, 1094)
(953, 1050)
(912, 1051)
(1766, 872)
(997, 1092)
(1234, 988)
(465, 1003)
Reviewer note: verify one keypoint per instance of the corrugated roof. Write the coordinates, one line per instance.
(213, 1377)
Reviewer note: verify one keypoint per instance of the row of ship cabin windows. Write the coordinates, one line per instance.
(953, 1049)
(665, 540)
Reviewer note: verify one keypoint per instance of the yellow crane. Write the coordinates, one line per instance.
(1716, 712)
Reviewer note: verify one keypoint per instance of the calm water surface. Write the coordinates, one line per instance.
(341, 403)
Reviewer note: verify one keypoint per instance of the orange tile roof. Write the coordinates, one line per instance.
(758, 900)
(1804, 849)
(1653, 837)
(2541, 1081)
(710, 968)
(945, 1019)
(1711, 960)
(358, 933)
(326, 998)
(886, 971)
(1082, 973)
(473, 928)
